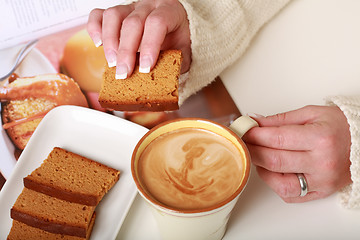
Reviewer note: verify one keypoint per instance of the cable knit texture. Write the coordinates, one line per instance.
(350, 105)
(220, 33)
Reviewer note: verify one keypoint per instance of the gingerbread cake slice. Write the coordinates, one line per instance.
(21, 231)
(154, 91)
(52, 214)
(71, 177)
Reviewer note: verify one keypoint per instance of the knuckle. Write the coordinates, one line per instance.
(109, 12)
(281, 116)
(134, 21)
(94, 17)
(328, 141)
(310, 110)
(285, 189)
(275, 162)
(156, 20)
(280, 140)
(96, 11)
(330, 166)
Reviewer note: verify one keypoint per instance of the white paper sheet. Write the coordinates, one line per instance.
(24, 20)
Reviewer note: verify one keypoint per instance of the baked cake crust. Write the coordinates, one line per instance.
(82, 198)
(20, 231)
(48, 206)
(51, 214)
(154, 91)
(71, 177)
(55, 228)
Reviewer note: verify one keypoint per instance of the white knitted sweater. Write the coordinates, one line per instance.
(221, 31)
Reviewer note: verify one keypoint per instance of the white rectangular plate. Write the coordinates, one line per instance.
(99, 136)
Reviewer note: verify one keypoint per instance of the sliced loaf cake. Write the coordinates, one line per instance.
(21, 231)
(71, 177)
(154, 91)
(52, 214)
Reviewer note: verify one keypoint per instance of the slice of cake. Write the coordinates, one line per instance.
(71, 177)
(21, 231)
(26, 100)
(154, 91)
(52, 214)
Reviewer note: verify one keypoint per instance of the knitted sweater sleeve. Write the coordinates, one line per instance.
(350, 105)
(220, 33)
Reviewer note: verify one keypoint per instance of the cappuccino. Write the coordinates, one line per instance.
(191, 169)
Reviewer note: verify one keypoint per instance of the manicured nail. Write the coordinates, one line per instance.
(145, 64)
(111, 58)
(97, 39)
(121, 71)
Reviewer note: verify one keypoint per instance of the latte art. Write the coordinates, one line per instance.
(191, 169)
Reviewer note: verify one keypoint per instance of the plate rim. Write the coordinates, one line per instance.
(12, 184)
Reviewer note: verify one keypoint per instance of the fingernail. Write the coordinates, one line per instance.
(255, 115)
(121, 71)
(111, 58)
(97, 39)
(145, 64)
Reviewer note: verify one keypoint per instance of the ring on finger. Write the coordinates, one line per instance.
(303, 184)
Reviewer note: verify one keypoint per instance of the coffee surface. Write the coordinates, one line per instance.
(190, 169)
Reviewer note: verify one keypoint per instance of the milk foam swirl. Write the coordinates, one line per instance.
(191, 168)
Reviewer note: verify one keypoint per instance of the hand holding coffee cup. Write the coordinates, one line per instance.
(303, 154)
(191, 172)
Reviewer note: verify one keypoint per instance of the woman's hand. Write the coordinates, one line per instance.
(148, 26)
(314, 140)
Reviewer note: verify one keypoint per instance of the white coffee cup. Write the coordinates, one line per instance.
(207, 222)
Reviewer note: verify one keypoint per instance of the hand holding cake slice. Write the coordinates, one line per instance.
(154, 91)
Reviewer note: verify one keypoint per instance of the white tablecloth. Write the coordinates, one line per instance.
(308, 51)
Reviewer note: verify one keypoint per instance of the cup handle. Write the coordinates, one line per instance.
(243, 124)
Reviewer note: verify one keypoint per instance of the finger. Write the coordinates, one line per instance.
(299, 116)
(286, 185)
(130, 38)
(288, 137)
(158, 24)
(111, 25)
(185, 65)
(309, 197)
(94, 26)
(281, 161)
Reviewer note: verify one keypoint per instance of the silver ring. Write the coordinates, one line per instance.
(303, 184)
